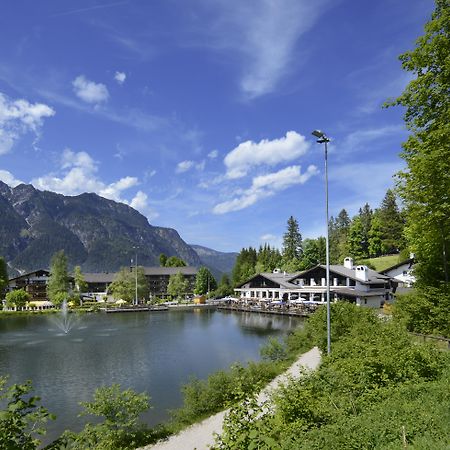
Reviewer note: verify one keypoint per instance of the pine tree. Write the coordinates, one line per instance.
(356, 239)
(365, 214)
(292, 242)
(392, 224)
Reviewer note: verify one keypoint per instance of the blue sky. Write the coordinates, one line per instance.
(199, 113)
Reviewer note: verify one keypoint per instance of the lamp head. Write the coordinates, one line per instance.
(321, 136)
(318, 134)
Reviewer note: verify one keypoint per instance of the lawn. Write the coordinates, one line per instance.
(382, 262)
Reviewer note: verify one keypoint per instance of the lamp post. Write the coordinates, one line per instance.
(323, 139)
(135, 278)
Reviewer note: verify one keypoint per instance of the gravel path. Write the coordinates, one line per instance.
(200, 436)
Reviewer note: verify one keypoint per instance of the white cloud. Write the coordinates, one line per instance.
(359, 140)
(18, 117)
(265, 34)
(248, 154)
(369, 185)
(89, 91)
(9, 178)
(184, 166)
(120, 77)
(79, 174)
(140, 202)
(213, 154)
(265, 186)
(268, 237)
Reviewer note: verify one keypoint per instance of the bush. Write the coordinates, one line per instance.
(120, 428)
(21, 422)
(377, 389)
(425, 310)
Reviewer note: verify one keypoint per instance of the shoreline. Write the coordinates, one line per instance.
(201, 436)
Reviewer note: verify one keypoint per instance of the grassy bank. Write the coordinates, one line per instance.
(379, 389)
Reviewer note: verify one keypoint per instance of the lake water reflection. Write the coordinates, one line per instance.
(153, 352)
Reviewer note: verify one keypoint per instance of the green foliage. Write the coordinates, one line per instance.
(80, 283)
(205, 397)
(425, 310)
(204, 282)
(292, 241)
(338, 232)
(124, 284)
(162, 260)
(392, 224)
(58, 283)
(314, 252)
(120, 428)
(178, 285)
(378, 389)
(355, 239)
(425, 185)
(3, 275)
(174, 261)
(273, 350)
(22, 419)
(225, 288)
(17, 298)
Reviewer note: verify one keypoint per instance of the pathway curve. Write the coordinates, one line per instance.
(200, 436)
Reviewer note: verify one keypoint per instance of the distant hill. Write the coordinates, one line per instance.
(218, 262)
(95, 233)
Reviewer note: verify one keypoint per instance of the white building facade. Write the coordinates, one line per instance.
(357, 284)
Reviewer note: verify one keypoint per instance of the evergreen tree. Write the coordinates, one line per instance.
(425, 185)
(204, 281)
(244, 267)
(58, 283)
(365, 214)
(392, 224)
(224, 287)
(375, 237)
(338, 235)
(292, 241)
(355, 242)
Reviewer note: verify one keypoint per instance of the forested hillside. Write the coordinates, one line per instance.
(95, 233)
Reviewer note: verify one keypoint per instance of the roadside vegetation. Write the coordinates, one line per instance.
(378, 389)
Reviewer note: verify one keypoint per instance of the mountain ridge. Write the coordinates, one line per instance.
(96, 233)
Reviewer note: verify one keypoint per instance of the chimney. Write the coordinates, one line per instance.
(362, 273)
(348, 263)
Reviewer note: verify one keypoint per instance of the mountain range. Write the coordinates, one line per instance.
(95, 233)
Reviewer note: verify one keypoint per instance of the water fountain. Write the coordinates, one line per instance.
(64, 321)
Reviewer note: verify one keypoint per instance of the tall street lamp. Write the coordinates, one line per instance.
(323, 139)
(135, 277)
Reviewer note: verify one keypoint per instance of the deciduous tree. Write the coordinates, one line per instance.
(58, 283)
(425, 185)
(178, 286)
(204, 281)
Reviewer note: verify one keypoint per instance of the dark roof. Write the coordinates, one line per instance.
(409, 261)
(189, 270)
(281, 278)
(108, 277)
(34, 272)
(373, 276)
